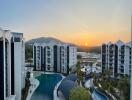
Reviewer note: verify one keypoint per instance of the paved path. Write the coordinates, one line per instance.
(88, 83)
(56, 87)
(33, 87)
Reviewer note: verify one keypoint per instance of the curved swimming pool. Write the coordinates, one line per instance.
(46, 87)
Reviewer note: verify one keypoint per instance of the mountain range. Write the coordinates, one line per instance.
(96, 49)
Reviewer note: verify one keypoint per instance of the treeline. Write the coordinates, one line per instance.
(28, 52)
(95, 49)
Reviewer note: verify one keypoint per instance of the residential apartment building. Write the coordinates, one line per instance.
(54, 56)
(11, 65)
(117, 58)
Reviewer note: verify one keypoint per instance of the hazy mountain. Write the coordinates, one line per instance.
(42, 39)
(96, 49)
(46, 40)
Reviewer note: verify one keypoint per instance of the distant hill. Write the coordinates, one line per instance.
(42, 39)
(46, 40)
(96, 49)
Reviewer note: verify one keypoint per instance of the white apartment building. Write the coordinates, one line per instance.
(117, 58)
(12, 55)
(54, 56)
(72, 54)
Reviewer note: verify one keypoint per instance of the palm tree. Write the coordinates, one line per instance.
(94, 79)
(124, 88)
(28, 75)
(27, 85)
(120, 87)
(110, 87)
(79, 73)
(91, 64)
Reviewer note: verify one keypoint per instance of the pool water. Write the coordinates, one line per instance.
(46, 87)
(98, 96)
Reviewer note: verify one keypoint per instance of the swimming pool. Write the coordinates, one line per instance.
(46, 87)
(96, 95)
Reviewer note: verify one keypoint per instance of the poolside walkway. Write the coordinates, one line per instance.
(88, 83)
(56, 87)
(95, 95)
(33, 87)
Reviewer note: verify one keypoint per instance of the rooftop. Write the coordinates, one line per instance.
(71, 77)
(66, 86)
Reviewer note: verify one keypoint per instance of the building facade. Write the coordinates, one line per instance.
(54, 56)
(11, 65)
(117, 58)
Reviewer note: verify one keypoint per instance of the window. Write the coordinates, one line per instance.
(17, 39)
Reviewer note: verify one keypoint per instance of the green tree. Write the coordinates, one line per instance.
(28, 52)
(124, 88)
(80, 94)
(27, 85)
(110, 87)
(94, 76)
(95, 79)
(79, 72)
(79, 57)
(28, 75)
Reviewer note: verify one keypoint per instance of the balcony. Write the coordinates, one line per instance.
(121, 67)
(48, 60)
(111, 59)
(111, 52)
(48, 48)
(122, 71)
(120, 59)
(110, 64)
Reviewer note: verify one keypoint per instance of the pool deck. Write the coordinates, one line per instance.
(33, 87)
(89, 83)
(56, 87)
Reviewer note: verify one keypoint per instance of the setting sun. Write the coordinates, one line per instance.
(86, 44)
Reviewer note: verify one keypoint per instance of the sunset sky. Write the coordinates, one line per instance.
(83, 22)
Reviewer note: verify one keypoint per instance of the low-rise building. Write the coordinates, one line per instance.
(89, 59)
